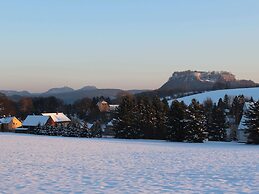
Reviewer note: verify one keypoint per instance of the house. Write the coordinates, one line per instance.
(109, 130)
(114, 107)
(33, 121)
(106, 107)
(231, 131)
(103, 106)
(241, 130)
(9, 124)
(58, 119)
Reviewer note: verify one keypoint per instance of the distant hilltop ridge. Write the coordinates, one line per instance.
(70, 95)
(190, 81)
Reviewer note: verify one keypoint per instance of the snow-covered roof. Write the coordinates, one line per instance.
(35, 120)
(6, 120)
(57, 117)
(113, 107)
(89, 125)
(110, 123)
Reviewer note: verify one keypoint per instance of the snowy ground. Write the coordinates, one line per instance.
(38, 164)
(217, 94)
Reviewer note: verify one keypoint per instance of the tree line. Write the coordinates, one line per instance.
(141, 117)
(85, 108)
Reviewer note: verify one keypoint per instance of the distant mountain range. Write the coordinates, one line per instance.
(179, 84)
(70, 95)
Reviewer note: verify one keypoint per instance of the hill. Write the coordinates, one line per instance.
(198, 81)
(69, 95)
(216, 95)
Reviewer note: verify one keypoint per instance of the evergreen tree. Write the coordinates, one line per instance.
(176, 122)
(144, 118)
(252, 123)
(237, 108)
(221, 104)
(160, 118)
(195, 123)
(226, 101)
(124, 124)
(208, 106)
(217, 128)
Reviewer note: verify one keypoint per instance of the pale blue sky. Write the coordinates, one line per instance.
(124, 43)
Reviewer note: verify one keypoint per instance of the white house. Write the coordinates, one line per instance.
(241, 135)
(36, 120)
(58, 118)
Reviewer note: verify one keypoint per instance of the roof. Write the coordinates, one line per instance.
(57, 117)
(35, 120)
(89, 125)
(6, 120)
(114, 107)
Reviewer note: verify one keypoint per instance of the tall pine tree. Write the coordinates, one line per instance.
(195, 123)
(217, 127)
(125, 121)
(176, 122)
(252, 123)
(159, 118)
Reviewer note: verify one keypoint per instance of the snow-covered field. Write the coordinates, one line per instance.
(38, 164)
(217, 94)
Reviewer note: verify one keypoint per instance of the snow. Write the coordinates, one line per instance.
(57, 117)
(6, 120)
(89, 125)
(41, 164)
(216, 95)
(35, 120)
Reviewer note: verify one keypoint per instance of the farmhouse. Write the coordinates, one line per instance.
(33, 121)
(103, 106)
(106, 107)
(58, 119)
(9, 124)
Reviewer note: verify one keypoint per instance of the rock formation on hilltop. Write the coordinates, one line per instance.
(196, 81)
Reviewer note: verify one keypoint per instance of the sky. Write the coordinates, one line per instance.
(127, 44)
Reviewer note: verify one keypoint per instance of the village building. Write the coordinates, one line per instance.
(106, 107)
(33, 121)
(241, 131)
(58, 119)
(231, 130)
(9, 124)
(109, 130)
(103, 106)
(114, 107)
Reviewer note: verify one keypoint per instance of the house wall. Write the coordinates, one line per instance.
(103, 106)
(65, 124)
(15, 123)
(242, 136)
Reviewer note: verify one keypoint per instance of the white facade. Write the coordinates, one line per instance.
(241, 131)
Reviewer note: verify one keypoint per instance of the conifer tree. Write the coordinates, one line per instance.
(144, 118)
(176, 122)
(208, 106)
(226, 101)
(217, 128)
(195, 123)
(237, 108)
(252, 123)
(124, 124)
(160, 118)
